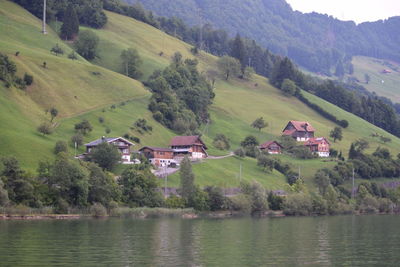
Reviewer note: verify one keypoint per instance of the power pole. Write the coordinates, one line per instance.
(352, 189)
(44, 18)
(240, 173)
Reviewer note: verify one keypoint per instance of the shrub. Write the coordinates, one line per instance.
(240, 152)
(275, 202)
(57, 50)
(61, 146)
(28, 79)
(101, 119)
(86, 45)
(199, 200)
(302, 152)
(216, 199)
(241, 203)
(221, 142)
(98, 210)
(175, 202)
(298, 204)
(45, 128)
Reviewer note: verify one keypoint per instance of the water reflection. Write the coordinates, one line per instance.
(321, 241)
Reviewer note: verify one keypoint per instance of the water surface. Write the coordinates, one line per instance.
(319, 241)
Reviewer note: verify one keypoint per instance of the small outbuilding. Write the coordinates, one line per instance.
(272, 147)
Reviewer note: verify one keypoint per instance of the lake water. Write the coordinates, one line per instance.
(320, 241)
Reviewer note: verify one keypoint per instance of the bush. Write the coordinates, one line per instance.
(57, 50)
(86, 45)
(275, 202)
(298, 204)
(216, 199)
(240, 152)
(61, 146)
(241, 203)
(302, 152)
(199, 200)
(101, 119)
(221, 142)
(45, 128)
(175, 202)
(98, 210)
(28, 79)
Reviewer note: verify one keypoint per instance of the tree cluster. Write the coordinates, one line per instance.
(181, 96)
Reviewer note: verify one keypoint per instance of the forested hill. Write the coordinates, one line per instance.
(315, 41)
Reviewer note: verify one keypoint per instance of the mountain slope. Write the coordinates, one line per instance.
(236, 105)
(315, 41)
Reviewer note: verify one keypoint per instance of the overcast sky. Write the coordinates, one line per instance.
(356, 10)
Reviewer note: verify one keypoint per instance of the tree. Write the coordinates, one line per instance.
(283, 69)
(53, 113)
(3, 195)
(336, 134)
(61, 146)
(77, 139)
(45, 128)
(72, 55)
(259, 123)
(239, 51)
(187, 186)
(339, 71)
(367, 78)
(266, 162)
(322, 180)
(102, 186)
(221, 142)
(87, 43)
(249, 141)
(258, 195)
(68, 181)
(131, 62)
(70, 26)
(106, 156)
(83, 127)
(248, 73)
(17, 182)
(57, 50)
(28, 79)
(288, 87)
(228, 66)
(139, 187)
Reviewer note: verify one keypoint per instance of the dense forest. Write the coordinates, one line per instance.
(315, 41)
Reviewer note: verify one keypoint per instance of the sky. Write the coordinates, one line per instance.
(356, 10)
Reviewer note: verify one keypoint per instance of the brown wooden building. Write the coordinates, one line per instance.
(272, 147)
(300, 130)
(319, 146)
(191, 146)
(158, 156)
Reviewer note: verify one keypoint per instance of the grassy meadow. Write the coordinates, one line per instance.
(86, 90)
(387, 85)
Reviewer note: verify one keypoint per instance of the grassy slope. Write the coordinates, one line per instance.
(236, 105)
(373, 67)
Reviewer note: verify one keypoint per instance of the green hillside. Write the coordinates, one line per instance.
(82, 90)
(387, 85)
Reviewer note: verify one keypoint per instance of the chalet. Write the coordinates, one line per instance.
(299, 130)
(319, 146)
(123, 145)
(191, 146)
(272, 147)
(158, 156)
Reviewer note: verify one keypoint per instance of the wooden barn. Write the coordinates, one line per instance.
(272, 147)
(191, 146)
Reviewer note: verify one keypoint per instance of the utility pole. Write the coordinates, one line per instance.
(352, 189)
(240, 173)
(44, 18)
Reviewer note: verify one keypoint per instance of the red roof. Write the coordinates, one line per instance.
(158, 149)
(302, 126)
(316, 141)
(187, 141)
(267, 144)
(289, 132)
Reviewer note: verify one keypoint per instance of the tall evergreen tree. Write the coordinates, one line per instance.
(187, 179)
(239, 51)
(283, 69)
(70, 27)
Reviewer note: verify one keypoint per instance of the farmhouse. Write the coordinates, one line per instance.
(191, 146)
(299, 130)
(272, 147)
(158, 156)
(123, 145)
(319, 146)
